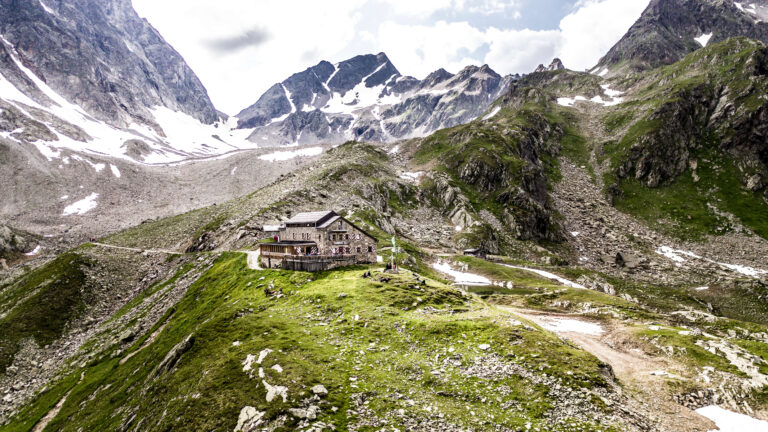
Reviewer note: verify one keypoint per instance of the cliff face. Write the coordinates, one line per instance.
(100, 55)
(668, 30)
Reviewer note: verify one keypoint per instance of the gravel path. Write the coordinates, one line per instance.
(636, 370)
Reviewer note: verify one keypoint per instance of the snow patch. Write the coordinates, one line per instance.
(81, 207)
(609, 92)
(115, 170)
(287, 155)
(729, 421)
(288, 96)
(394, 149)
(34, 252)
(703, 39)
(681, 256)
(412, 176)
(492, 114)
(612, 94)
(549, 275)
(568, 102)
(47, 9)
(563, 325)
(461, 278)
(182, 137)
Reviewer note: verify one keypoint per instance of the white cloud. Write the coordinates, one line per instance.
(297, 36)
(589, 32)
(418, 49)
(520, 51)
(416, 7)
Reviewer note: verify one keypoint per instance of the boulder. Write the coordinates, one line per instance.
(319, 390)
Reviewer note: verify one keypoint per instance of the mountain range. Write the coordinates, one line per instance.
(366, 98)
(622, 212)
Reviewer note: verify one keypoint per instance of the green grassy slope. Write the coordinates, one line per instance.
(687, 143)
(377, 347)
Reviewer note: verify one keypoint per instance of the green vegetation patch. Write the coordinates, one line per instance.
(40, 305)
(377, 345)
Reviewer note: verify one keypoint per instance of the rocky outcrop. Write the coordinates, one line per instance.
(668, 30)
(101, 56)
(727, 113)
(13, 244)
(367, 99)
(556, 65)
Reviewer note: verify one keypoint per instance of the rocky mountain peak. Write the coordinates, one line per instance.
(103, 57)
(367, 98)
(437, 77)
(555, 65)
(670, 29)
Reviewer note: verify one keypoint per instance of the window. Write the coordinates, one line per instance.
(294, 236)
(333, 237)
(370, 249)
(347, 236)
(359, 249)
(341, 226)
(348, 251)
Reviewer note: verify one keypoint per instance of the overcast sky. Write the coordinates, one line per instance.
(239, 48)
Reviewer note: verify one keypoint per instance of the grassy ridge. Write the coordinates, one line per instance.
(355, 336)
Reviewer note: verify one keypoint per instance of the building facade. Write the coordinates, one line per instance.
(319, 237)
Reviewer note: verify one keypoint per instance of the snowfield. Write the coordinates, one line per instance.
(703, 39)
(549, 275)
(682, 256)
(492, 114)
(607, 91)
(179, 137)
(412, 176)
(461, 278)
(34, 252)
(563, 325)
(729, 421)
(287, 155)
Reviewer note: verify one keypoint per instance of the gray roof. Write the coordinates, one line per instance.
(328, 223)
(309, 217)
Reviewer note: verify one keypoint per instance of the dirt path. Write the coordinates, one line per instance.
(642, 376)
(146, 343)
(253, 259)
(41, 425)
(137, 250)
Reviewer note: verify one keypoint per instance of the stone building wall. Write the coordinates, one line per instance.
(329, 240)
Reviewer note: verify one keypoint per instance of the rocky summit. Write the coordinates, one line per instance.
(366, 98)
(562, 251)
(670, 29)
